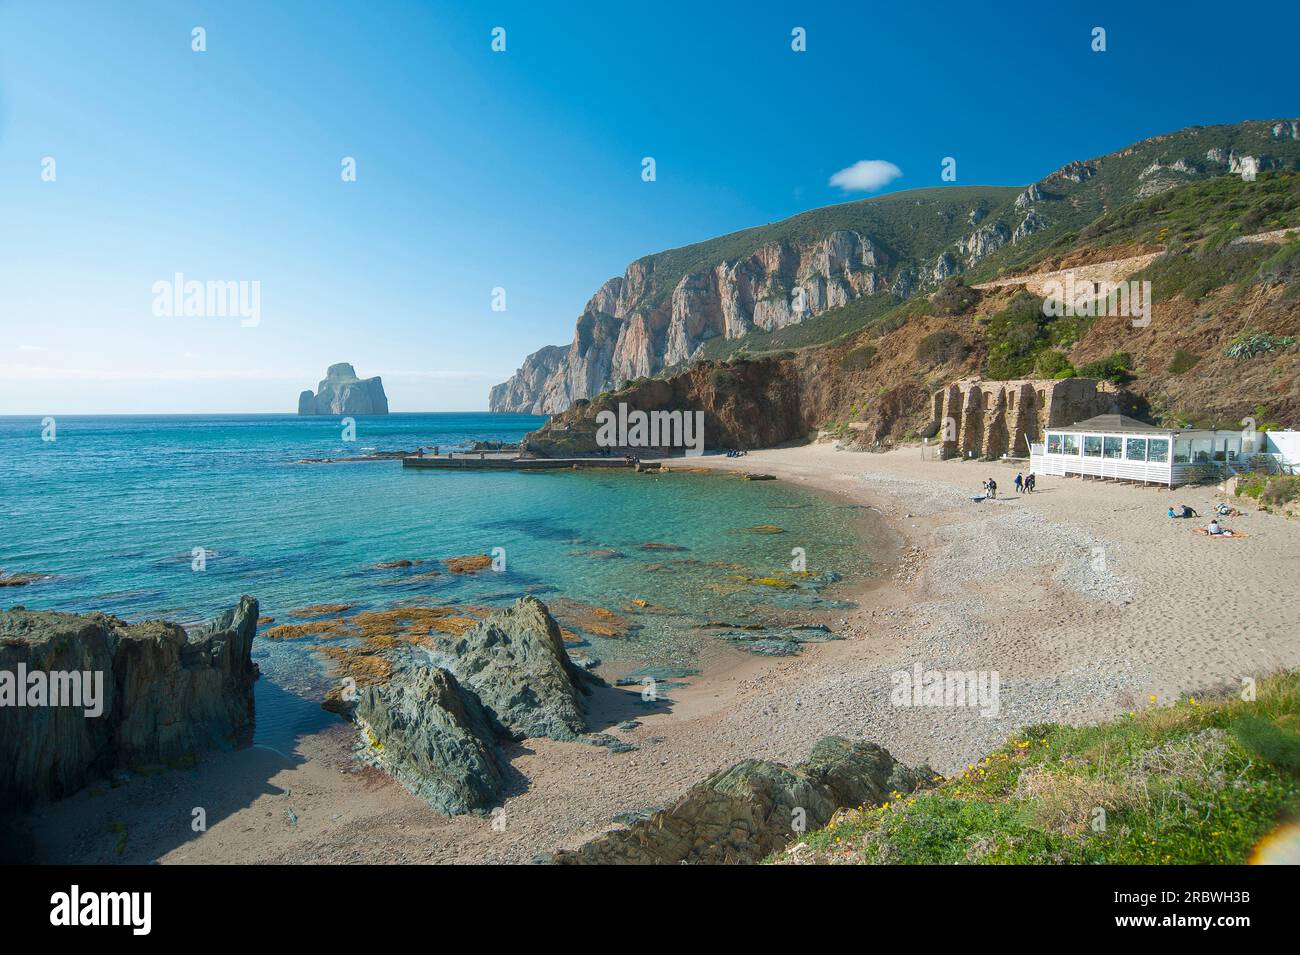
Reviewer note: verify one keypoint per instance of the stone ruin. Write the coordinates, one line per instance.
(987, 419)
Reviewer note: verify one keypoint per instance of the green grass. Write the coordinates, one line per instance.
(1183, 362)
(1215, 209)
(1194, 274)
(1198, 782)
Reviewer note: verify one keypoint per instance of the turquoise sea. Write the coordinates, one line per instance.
(113, 508)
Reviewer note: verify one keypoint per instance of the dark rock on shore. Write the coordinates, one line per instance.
(433, 737)
(161, 695)
(744, 813)
(437, 721)
(515, 662)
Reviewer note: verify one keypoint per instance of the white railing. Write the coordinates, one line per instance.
(1152, 472)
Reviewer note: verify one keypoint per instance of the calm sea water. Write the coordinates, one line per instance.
(114, 507)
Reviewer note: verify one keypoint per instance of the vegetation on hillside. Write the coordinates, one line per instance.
(1202, 781)
(1214, 210)
(912, 228)
(1114, 191)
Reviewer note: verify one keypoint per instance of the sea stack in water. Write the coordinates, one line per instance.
(342, 392)
(83, 696)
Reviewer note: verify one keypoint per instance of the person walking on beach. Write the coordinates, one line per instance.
(1029, 483)
(1019, 482)
(993, 489)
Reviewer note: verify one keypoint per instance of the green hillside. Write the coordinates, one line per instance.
(1069, 207)
(912, 227)
(1200, 782)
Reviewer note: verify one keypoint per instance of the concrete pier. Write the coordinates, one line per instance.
(507, 461)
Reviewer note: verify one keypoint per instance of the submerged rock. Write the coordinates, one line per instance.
(160, 695)
(342, 392)
(469, 564)
(754, 808)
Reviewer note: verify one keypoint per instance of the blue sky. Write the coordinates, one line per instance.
(519, 170)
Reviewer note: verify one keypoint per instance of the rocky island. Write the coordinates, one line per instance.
(342, 392)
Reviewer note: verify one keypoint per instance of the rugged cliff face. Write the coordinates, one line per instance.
(342, 392)
(666, 307)
(159, 694)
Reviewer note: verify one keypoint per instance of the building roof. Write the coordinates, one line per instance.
(1113, 424)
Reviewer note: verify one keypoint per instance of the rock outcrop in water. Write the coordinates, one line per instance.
(161, 695)
(342, 392)
(744, 813)
(437, 721)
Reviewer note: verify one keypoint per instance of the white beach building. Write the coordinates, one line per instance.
(1284, 448)
(1117, 446)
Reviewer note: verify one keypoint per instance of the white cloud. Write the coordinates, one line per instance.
(866, 175)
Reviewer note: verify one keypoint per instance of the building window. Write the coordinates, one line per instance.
(1092, 446)
(1069, 444)
(1135, 449)
(1113, 447)
(1182, 451)
(1053, 444)
(1158, 450)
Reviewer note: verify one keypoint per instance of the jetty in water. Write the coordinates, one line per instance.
(512, 461)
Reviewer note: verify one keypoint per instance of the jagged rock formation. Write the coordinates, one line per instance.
(433, 737)
(986, 419)
(516, 664)
(342, 392)
(664, 307)
(166, 694)
(746, 812)
(746, 404)
(630, 329)
(437, 722)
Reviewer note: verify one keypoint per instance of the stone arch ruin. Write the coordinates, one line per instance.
(987, 419)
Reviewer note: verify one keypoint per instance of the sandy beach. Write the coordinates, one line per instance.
(1084, 598)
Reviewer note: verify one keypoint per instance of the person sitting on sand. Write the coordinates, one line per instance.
(1171, 511)
(1187, 511)
(1214, 527)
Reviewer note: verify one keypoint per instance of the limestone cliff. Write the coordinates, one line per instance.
(342, 392)
(664, 307)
